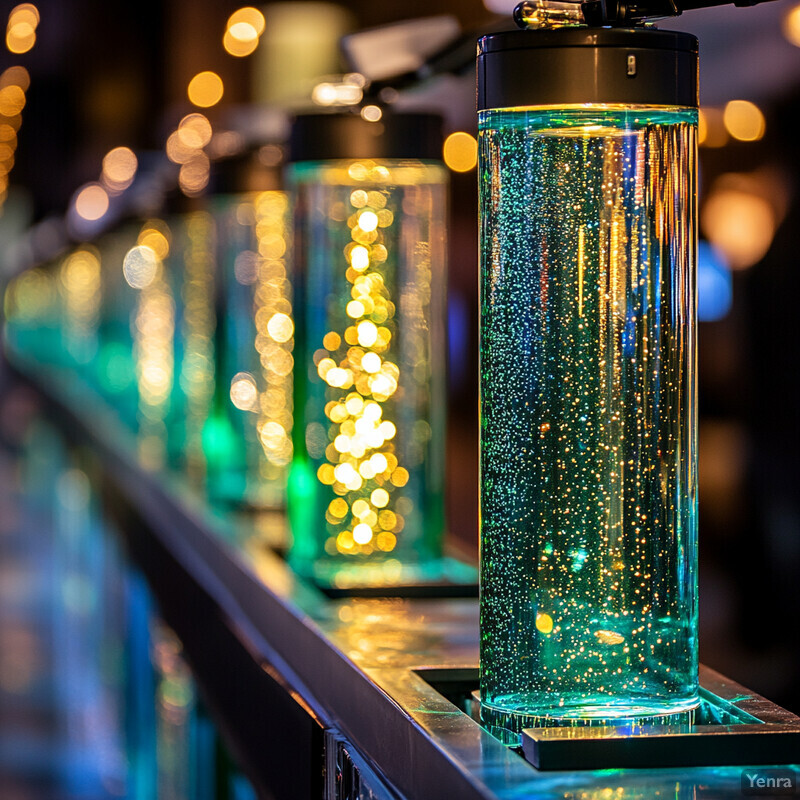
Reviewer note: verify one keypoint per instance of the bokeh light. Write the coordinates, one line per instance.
(119, 168)
(20, 38)
(739, 222)
(371, 113)
(744, 121)
(194, 131)
(24, 12)
(156, 235)
(140, 266)
(194, 174)
(791, 26)
(205, 89)
(248, 16)
(16, 76)
(243, 31)
(12, 100)
(337, 94)
(91, 202)
(244, 392)
(460, 151)
(21, 29)
(714, 284)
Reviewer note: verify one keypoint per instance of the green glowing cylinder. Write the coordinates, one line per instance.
(366, 491)
(588, 410)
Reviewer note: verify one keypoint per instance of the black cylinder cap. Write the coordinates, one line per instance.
(322, 137)
(568, 66)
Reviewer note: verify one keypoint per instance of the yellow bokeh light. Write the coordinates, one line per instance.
(367, 333)
(20, 37)
(244, 392)
(157, 240)
(91, 202)
(17, 76)
(744, 120)
(338, 507)
(368, 221)
(400, 477)
(280, 327)
(24, 12)
(243, 31)
(359, 258)
(247, 16)
(119, 167)
(386, 541)
(544, 623)
(358, 198)
(359, 448)
(354, 404)
(740, 224)
(379, 498)
(362, 533)
(371, 362)
(240, 47)
(205, 89)
(355, 309)
(791, 26)
(331, 341)
(326, 474)
(460, 151)
(12, 100)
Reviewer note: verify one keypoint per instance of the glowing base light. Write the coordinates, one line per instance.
(588, 457)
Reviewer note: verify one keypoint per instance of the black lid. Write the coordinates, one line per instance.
(567, 66)
(321, 137)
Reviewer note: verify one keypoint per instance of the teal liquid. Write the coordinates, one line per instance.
(588, 419)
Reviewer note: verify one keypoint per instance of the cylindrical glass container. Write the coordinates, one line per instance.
(588, 410)
(366, 496)
(255, 325)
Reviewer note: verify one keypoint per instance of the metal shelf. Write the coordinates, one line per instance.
(292, 675)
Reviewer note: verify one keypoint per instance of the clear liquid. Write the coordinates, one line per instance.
(588, 429)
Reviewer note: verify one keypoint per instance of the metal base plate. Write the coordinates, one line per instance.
(733, 727)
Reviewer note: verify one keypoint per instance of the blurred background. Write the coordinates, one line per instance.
(85, 85)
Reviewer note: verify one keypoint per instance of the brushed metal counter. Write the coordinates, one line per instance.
(356, 667)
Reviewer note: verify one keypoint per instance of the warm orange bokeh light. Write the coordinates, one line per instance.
(460, 151)
(91, 202)
(205, 89)
(119, 167)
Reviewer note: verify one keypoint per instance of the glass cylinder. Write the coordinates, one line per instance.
(588, 409)
(366, 496)
(255, 326)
